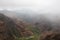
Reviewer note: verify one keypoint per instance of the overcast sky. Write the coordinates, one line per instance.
(43, 6)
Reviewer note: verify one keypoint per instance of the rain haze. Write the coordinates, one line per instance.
(41, 6)
(29, 19)
(50, 8)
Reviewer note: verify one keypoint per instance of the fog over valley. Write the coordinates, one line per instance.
(29, 19)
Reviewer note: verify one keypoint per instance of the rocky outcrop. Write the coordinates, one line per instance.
(50, 36)
(9, 29)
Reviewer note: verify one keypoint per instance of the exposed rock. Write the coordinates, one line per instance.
(50, 36)
(9, 29)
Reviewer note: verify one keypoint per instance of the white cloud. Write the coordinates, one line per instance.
(42, 6)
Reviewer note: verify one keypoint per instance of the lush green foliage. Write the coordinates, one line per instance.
(35, 35)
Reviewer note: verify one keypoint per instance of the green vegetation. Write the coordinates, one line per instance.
(34, 37)
(35, 34)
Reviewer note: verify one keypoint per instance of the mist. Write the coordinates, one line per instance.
(40, 6)
(32, 11)
(27, 19)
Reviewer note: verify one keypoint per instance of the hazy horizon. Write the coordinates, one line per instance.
(41, 6)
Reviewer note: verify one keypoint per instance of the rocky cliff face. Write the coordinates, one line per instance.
(50, 35)
(5, 29)
(9, 29)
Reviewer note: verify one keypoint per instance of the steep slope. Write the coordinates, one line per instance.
(9, 29)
